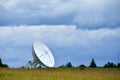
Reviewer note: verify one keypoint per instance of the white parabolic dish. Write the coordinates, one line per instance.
(42, 54)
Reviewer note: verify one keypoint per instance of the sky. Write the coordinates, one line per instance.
(75, 30)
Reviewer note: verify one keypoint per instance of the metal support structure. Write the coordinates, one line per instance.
(31, 64)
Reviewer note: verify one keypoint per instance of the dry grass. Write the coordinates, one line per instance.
(59, 74)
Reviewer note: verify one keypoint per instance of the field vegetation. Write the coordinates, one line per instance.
(60, 74)
(65, 72)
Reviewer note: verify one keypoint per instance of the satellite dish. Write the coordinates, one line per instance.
(42, 56)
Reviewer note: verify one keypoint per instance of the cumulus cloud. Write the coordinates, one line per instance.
(84, 13)
(64, 40)
(98, 13)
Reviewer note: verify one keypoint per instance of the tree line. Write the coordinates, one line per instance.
(93, 65)
(69, 65)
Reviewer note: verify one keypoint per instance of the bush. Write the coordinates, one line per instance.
(62, 66)
(82, 66)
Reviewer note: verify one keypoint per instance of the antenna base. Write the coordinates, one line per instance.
(32, 64)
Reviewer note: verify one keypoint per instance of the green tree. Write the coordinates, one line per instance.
(93, 64)
(118, 65)
(69, 64)
(2, 65)
(110, 65)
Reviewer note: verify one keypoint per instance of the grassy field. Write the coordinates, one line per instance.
(60, 74)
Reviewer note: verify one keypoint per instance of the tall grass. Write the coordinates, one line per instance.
(59, 74)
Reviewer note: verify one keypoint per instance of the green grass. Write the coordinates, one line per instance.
(60, 74)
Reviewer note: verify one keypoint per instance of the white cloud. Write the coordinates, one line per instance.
(59, 34)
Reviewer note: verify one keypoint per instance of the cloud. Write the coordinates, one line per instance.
(84, 13)
(63, 40)
(98, 13)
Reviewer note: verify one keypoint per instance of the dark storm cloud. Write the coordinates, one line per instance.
(83, 13)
